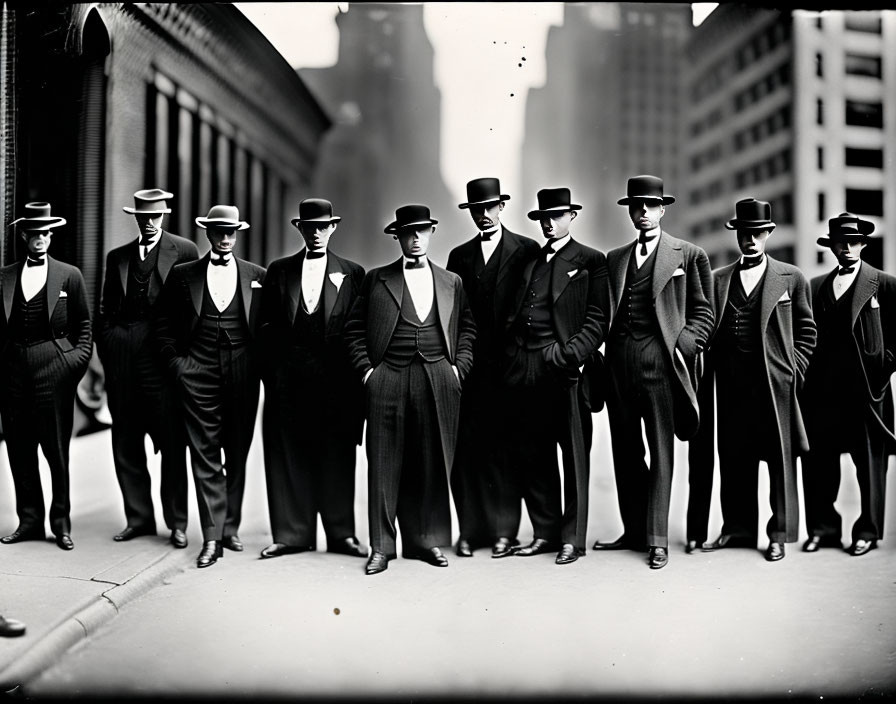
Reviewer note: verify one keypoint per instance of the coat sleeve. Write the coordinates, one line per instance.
(887, 301)
(466, 331)
(699, 317)
(165, 320)
(805, 332)
(582, 345)
(110, 301)
(80, 320)
(356, 328)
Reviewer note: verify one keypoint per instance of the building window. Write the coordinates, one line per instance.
(820, 154)
(863, 22)
(865, 202)
(819, 65)
(819, 111)
(862, 65)
(822, 208)
(871, 158)
(864, 114)
(783, 209)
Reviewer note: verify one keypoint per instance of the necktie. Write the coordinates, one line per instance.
(643, 239)
(314, 255)
(547, 251)
(749, 262)
(31, 261)
(486, 236)
(415, 264)
(220, 261)
(846, 270)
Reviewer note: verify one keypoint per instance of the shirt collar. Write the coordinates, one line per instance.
(558, 244)
(855, 270)
(413, 260)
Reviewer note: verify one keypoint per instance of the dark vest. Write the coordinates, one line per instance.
(219, 330)
(414, 339)
(140, 275)
(534, 323)
(29, 321)
(636, 316)
(739, 330)
(836, 361)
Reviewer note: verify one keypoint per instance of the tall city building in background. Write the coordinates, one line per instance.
(610, 109)
(798, 109)
(383, 150)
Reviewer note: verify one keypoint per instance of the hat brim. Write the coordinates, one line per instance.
(394, 227)
(496, 199)
(831, 239)
(664, 200)
(134, 211)
(40, 223)
(298, 221)
(735, 224)
(539, 214)
(222, 222)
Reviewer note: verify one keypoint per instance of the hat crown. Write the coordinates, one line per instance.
(554, 199)
(645, 186)
(847, 224)
(410, 214)
(224, 212)
(315, 209)
(484, 190)
(37, 209)
(752, 210)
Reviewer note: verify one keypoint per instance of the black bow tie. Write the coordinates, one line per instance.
(314, 255)
(220, 261)
(846, 270)
(414, 264)
(146, 241)
(30, 261)
(643, 240)
(486, 236)
(749, 262)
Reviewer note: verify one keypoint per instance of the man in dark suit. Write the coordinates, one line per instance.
(848, 388)
(45, 347)
(313, 411)
(142, 398)
(484, 482)
(757, 359)
(661, 292)
(410, 336)
(206, 331)
(557, 321)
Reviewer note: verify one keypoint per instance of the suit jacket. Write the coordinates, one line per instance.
(873, 316)
(281, 299)
(67, 308)
(180, 308)
(682, 291)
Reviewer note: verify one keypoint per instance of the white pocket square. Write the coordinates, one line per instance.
(678, 272)
(572, 273)
(63, 294)
(784, 297)
(254, 284)
(874, 303)
(336, 277)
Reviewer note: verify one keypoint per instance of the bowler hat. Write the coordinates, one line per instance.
(552, 201)
(37, 217)
(645, 187)
(150, 201)
(846, 227)
(315, 210)
(481, 191)
(751, 214)
(223, 216)
(408, 216)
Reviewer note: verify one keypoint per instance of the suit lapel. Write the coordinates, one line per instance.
(10, 277)
(668, 259)
(167, 256)
(197, 283)
(54, 285)
(564, 264)
(774, 286)
(245, 284)
(619, 269)
(330, 292)
(866, 286)
(293, 285)
(123, 264)
(723, 288)
(393, 278)
(508, 250)
(444, 303)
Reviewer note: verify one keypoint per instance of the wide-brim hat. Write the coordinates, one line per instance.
(846, 227)
(37, 217)
(645, 187)
(552, 201)
(150, 201)
(751, 214)
(315, 210)
(410, 216)
(482, 191)
(223, 216)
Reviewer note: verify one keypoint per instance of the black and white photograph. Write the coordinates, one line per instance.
(433, 351)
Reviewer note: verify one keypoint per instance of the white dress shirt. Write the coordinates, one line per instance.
(651, 245)
(34, 278)
(842, 283)
(313, 271)
(420, 285)
(490, 245)
(557, 245)
(222, 282)
(750, 277)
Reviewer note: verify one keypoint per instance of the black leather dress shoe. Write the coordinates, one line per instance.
(232, 542)
(10, 628)
(64, 541)
(774, 552)
(657, 558)
(21, 534)
(536, 547)
(279, 549)
(178, 538)
(621, 543)
(503, 547)
(350, 546)
(861, 546)
(816, 542)
(729, 541)
(211, 552)
(690, 547)
(464, 549)
(129, 533)
(568, 553)
(432, 556)
(377, 563)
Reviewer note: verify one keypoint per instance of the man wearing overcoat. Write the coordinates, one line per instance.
(484, 482)
(848, 388)
(661, 311)
(45, 347)
(142, 397)
(757, 358)
(313, 413)
(206, 331)
(410, 336)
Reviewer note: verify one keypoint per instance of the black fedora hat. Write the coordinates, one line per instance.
(846, 227)
(481, 191)
(409, 216)
(315, 210)
(223, 216)
(751, 214)
(150, 201)
(37, 217)
(645, 187)
(552, 201)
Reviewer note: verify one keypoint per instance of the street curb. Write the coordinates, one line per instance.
(88, 620)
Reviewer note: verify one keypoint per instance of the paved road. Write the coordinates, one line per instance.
(720, 624)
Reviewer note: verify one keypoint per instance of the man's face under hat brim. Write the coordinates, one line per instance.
(665, 200)
(205, 223)
(481, 203)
